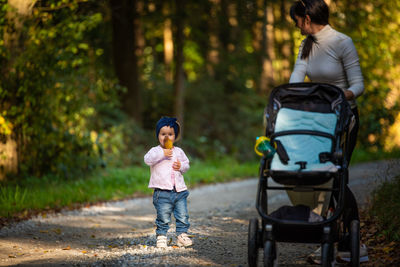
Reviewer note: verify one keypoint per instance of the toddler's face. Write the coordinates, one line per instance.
(166, 131)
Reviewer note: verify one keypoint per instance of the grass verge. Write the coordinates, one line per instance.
(19, 199)
(386, 207)
(380, 225)
(361, 155)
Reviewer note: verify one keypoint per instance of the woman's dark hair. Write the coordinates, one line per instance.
(318, 11)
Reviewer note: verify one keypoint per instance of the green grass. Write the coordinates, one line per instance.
(39, 194)
(386, 207)
(360, 155)
(385, 204)
(33, 194)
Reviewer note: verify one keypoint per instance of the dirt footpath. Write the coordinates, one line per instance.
(123, 233)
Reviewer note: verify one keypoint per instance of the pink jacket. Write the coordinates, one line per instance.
(161, 168)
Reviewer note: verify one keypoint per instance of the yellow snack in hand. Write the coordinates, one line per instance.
(168, 143)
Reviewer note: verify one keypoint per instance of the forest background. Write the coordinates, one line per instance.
(83, 82)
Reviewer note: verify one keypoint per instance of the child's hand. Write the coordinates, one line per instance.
(176, 165)
(168, 153)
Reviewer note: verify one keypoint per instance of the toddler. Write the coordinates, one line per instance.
(167, 165)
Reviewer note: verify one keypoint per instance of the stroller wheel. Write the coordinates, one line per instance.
(355, 243)
(327, 259)
(252, 245)
(269, 253)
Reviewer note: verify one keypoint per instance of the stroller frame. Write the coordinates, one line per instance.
(325, 232)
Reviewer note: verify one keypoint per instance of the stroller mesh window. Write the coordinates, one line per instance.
(304, 147)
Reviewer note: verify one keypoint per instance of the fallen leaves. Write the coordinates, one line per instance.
(16, 254)
(23, 215)
(381, 252)
(13, 256)
(388, 249)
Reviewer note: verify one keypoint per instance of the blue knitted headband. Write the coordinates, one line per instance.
(167, 121)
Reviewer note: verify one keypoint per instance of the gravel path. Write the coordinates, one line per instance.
(123, 234)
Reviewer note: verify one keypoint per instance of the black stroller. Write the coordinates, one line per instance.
(308, 123)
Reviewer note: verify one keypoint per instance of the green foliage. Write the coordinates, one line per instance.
(3, 24)
(60, 98)
(374, 28)
(55, 93)
(222, 123)
(223, 112)
(125, 144)
(386, 206)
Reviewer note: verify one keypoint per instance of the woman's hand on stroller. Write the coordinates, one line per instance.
(349, 95)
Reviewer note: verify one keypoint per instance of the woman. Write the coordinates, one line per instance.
(328, 56)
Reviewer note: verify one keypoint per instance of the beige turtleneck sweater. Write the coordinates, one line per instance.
(334, 60)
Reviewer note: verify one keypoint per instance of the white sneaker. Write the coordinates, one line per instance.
(345, 256)
(184, 240)
(161, 241)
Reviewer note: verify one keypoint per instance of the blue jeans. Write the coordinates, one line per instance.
(167, 202)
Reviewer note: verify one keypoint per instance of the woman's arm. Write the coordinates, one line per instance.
(300, 68)
(352, 68)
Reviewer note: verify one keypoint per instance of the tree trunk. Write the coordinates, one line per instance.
(287, 44)
(139, 38)
(258, 41)
(8, 156)
(9, 143)
(20, 10)
(179, 74)
(258, 26)
(213, 47)
(168, 43)
(225, 30)
(267, 75)
(225, 41)
(124, 17)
